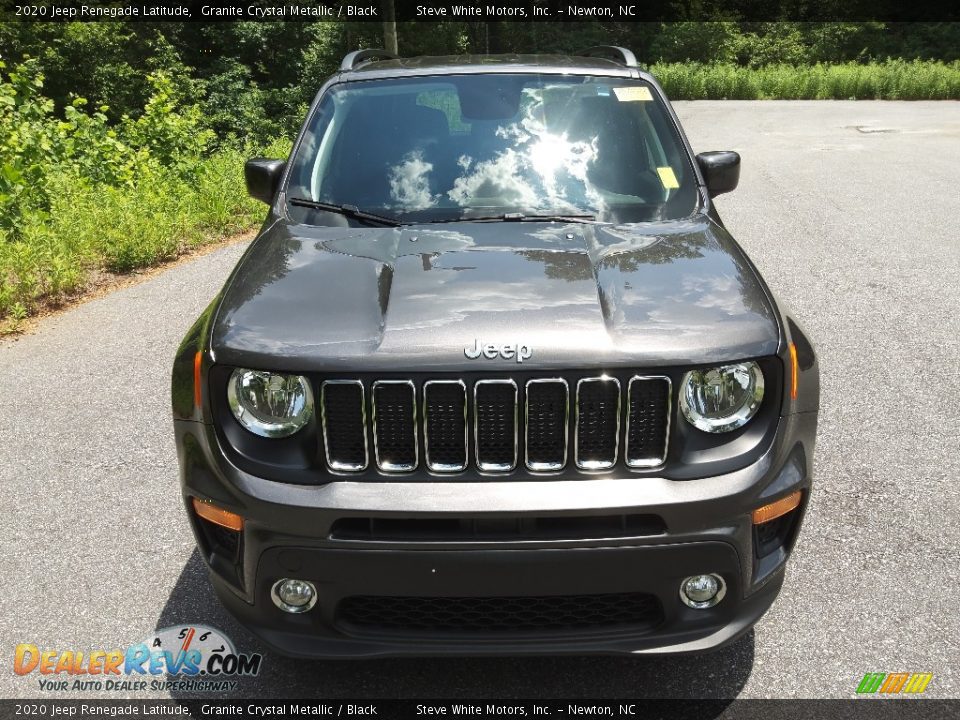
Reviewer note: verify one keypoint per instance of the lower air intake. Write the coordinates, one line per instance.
(492, 615)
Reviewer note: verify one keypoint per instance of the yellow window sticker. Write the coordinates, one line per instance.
(667, 177)
(632, 94)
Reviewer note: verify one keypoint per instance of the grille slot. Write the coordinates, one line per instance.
(495, 424)
(497, 615)
(597, 423)
(547, 414)
(394, 411)
(445, 425)
(648, 421)
(344, 425)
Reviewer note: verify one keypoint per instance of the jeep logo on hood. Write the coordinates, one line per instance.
(492, 350)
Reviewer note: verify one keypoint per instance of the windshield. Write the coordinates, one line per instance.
(469, 146)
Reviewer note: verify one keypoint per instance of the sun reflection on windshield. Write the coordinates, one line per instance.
(437, 150)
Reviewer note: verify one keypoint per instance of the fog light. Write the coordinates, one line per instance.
(294, 596)
(702, 591)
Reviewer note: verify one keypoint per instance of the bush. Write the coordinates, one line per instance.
(78, 193)
(890, 80)
(697, 42)
(29, 143)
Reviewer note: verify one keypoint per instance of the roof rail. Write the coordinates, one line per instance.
(612, 52)
(351, 60)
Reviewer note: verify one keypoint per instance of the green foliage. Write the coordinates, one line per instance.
(28, 143)
(36, 145)
(171, 132)
(121, 229)
(78, 192)
(235, 105)
(697, 42)
(890, 80)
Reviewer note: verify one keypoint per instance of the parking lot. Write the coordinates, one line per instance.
(849, 209)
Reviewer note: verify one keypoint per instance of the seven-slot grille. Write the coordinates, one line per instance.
(484, 424)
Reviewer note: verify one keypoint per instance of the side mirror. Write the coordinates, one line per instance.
(263, 178)
(721, 170)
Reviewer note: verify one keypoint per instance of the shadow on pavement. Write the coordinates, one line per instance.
(721, 674)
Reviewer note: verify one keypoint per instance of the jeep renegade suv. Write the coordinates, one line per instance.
(493, 377)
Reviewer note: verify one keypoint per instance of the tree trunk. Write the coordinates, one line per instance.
(390, 27)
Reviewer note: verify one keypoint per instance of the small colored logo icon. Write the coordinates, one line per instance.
(894, 683)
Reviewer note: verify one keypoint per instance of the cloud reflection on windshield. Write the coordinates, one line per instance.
(409, 184)
(531, 166)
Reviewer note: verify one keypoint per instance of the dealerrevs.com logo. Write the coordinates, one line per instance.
(185, 658)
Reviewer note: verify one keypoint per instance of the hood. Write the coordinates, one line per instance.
(415, 297)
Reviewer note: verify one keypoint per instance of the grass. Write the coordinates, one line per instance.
(891, 80)
(94, 228)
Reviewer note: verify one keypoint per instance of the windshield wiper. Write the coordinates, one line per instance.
(521, 217)
(351, 211)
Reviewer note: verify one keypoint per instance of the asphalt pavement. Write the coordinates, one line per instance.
(849, 209)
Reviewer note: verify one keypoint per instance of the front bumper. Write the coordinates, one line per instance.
(707, 529)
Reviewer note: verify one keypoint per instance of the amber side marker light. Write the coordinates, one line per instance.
(217, 515)
(794, 372)
(776, 509)
(197, 388)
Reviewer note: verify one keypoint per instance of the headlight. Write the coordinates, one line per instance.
(270, 404)
(723, 398)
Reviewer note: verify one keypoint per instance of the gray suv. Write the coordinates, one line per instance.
(494, 377)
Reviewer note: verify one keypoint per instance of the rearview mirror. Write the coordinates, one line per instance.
(721, 170)
(263, 178)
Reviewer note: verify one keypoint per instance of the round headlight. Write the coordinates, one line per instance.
(270, 404)
(721, 399)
